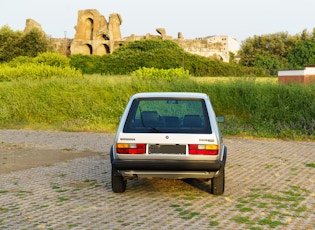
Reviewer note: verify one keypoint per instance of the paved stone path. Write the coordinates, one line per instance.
(270, 184)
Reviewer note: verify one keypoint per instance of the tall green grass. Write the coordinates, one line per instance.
(264, 109)
(94, 103)
(85, 104)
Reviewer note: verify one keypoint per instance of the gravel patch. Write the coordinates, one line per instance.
(81, 141)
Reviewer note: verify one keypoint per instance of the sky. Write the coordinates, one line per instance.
(239, 19)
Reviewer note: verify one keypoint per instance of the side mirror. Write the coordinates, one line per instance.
(220, 119)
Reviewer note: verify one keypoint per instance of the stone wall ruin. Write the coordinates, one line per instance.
(97, 36)
(94, 35)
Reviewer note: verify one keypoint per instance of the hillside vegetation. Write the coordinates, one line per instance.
(258, 55)
(157, 53)
(48, 92)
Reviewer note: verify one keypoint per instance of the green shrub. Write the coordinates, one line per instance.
(169, 75)
(52, 59)
(35, 71)
(203, 66)
(45, 65)
(88, 64)
(20, 60)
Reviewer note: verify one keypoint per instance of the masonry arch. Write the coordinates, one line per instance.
(89, 29)
(86, 49)
(102, 49)
(107, 49)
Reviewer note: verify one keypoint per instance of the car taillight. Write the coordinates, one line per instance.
(203, 149)
(131, 148)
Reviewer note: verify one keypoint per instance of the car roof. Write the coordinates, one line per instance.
(171, 94)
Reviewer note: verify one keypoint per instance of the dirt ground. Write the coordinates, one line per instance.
(14, 158)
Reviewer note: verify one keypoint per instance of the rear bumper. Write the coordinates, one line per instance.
(209, 166)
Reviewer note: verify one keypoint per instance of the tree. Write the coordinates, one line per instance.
(313, 34)
(269, 51)
(33, 43)
(8, 44)
(17, 43)
(271, 64)
(303, 54)
(305, 35)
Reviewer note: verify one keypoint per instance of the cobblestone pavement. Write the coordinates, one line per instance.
(270, 184)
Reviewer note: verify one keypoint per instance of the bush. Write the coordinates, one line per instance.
(45, 65)
(52, 59)
(88, 64)
(36, 71)
(20, 60)
(169, 75)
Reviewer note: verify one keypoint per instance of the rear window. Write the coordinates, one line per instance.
(167, 115)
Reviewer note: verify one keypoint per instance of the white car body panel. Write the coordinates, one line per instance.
(169, 161)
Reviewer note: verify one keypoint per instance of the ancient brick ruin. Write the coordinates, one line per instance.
(94, 35)
(97, 36)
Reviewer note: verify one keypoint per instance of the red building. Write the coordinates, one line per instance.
(305, 76)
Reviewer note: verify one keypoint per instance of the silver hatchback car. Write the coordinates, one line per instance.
(168, 135)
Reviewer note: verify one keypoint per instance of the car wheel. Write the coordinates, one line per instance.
(218, 183)
(119, 184)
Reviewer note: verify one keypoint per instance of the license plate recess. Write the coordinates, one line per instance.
(167, 149)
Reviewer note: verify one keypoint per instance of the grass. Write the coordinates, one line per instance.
(185, 214)
(63, 198)
(206, 80)
(256, 107)
(214, 223)
(275, 209)
(3, 210)
(23, 193)
(55, 186)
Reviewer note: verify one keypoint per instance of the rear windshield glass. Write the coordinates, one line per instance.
(168, 116)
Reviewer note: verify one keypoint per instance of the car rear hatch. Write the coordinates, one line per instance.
(167, 146)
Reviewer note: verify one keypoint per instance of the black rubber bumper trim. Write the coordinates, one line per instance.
(167, 165)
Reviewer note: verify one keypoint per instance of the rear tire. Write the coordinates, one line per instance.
(218, 183)
(119, 184)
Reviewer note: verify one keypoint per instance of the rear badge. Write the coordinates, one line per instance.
(127, 139)
(208, 140)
